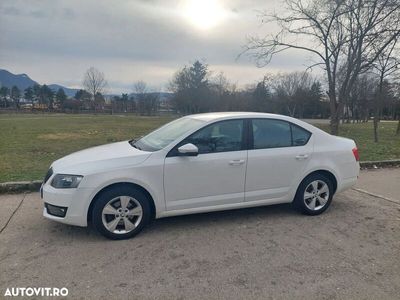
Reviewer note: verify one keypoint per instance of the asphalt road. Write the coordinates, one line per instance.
(350, 252)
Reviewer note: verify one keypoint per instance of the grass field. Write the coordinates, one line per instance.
(387, 148)
(29, 143)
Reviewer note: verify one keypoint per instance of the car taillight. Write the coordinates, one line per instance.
(356, 155)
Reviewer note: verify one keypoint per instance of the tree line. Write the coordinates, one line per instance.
(41, 95)
(89, 99)
(353, 42)
(348, 39)
(298, 94)
(196, 89)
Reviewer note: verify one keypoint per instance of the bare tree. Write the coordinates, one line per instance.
(140, 87)
(397, 107)
(94, 82)
(385, 66)
(398, 128)
(290, 87)
(362, 96)
(344, 36)
(220, 83)
(147, 103)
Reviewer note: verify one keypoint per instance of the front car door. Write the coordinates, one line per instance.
(216, 176)
(277, 156)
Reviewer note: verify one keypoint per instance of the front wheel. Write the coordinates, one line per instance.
(121, 212)
(314, 195)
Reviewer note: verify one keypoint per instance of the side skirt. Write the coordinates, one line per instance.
(197, 210)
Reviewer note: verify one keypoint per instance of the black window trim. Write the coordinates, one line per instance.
(251, 137)
(245, 137)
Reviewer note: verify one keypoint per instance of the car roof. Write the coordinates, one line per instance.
(235, 114)
(216, 116)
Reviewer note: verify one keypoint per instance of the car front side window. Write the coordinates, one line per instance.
(221, 136)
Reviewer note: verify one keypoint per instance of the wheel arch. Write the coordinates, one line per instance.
(328, 174)
(114, 185)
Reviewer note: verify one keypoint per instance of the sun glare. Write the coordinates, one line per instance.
(204, 14)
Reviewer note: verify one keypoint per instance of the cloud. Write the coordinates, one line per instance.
(11, 11)
(128, 40)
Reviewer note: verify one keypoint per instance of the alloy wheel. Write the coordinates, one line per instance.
(316, 195)
(122, 214)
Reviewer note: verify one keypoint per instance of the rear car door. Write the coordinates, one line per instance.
(278, 153)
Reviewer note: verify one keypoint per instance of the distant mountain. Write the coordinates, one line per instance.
(68, 91)
(160, 95)
(22, 81)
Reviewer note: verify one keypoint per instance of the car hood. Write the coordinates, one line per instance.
(100, 158)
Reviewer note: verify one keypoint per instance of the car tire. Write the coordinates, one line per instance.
(314, 195)
(121, 212)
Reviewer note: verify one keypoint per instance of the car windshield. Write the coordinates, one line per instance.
(166, 134)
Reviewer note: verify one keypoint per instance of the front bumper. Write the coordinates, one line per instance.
(76, 201)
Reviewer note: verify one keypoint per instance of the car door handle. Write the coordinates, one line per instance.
(302, 156)
(236, 162)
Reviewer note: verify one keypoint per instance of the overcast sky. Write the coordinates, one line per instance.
(55, 41)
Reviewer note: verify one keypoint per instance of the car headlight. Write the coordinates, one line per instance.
(63, 181)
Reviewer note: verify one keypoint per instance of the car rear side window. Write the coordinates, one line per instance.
(268, 133)
(271, 133)
(300, 135)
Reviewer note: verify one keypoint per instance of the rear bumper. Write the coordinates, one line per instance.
(76, 201)
(347, 175)
(347, 183)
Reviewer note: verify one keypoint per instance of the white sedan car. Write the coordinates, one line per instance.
(200, 163)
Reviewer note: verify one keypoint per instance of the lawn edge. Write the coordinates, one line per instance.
(34, 185)
(380, 164)
(20, 186)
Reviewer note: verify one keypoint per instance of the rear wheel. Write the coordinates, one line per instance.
(314, 195)
(121, 212)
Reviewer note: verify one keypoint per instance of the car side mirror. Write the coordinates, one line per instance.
(188, 150)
